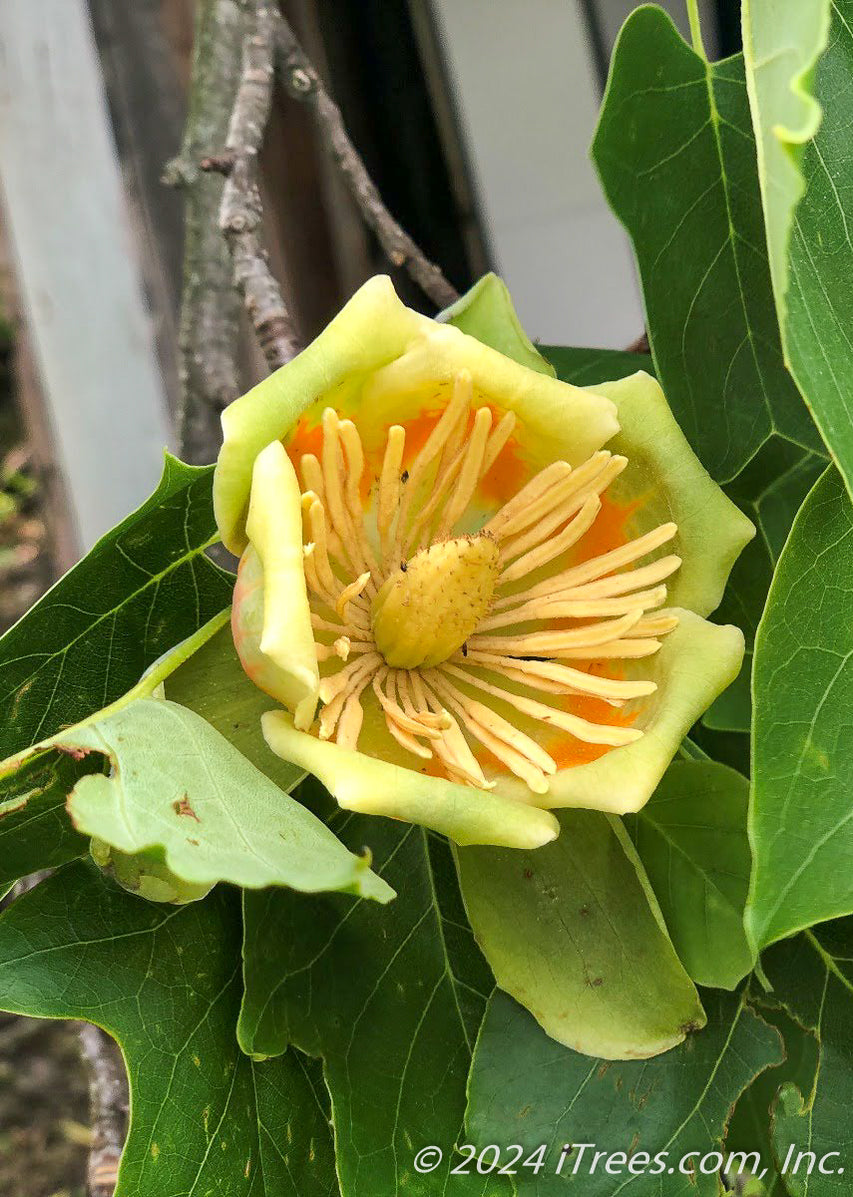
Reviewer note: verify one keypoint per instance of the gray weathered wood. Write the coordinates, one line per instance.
(75, 260)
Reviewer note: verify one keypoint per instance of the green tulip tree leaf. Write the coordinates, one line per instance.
(180, 794)
(528, 1090)
(35, 831)
(770, 491)
(802, 105)
(391, 998)
(812, 977)
(691, 838)
(145, 586)
(586, 367)
(572, 931)
(801, 818)
(677, 159)
(165, 982)
(212, 683)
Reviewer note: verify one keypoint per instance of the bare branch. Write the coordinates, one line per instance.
(109, 1104)
(241, 212)
(209, 307)
(301, 80)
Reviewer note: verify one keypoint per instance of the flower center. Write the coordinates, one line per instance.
(428, 608)
(479, 649)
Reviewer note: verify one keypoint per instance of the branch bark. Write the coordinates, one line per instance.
(302, 81)
(209, 306)
(108, 1095)
(241, 211)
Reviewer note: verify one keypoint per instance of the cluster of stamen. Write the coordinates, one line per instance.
(583, 612)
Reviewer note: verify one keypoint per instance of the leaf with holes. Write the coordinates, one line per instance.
(647, 1115)
(145, 586)
(166, 983)
(392, 1000)
(181, 798)
(812, 978)
(751, 1122)
(799, 61)
(676, 155)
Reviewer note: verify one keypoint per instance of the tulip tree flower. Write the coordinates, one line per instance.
(479, 592)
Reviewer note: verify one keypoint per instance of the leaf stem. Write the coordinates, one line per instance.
(696, 28)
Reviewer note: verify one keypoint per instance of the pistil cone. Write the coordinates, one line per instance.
(428, 607)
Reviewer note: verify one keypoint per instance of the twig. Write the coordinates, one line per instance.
(641, 345)
(301, 80)
(27, 883)
(209, 306)
(109, 1103)
(241, 212)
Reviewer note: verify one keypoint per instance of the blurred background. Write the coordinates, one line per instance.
(474, 118)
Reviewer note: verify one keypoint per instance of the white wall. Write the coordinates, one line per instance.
(527, 100)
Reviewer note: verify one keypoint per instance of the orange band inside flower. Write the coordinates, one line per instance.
(483, 601)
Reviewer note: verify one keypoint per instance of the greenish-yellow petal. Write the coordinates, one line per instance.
(672, 483)
(696, 662)
(373, 328)
(274, 527)
(556, 419)
(362, 783)
(486, 312)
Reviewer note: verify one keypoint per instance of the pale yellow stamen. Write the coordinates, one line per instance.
(520, 754)
(497, 440)
(559, 608)
(452, 749)
(349, 593)
(656, 625)
(337, 683)
(537, 486)
(469, 475)
(541, 644)
(355, 468)
(317, 524)
(579, 494)
(412, 613)
(312, 480)
(543, 553)
(587, 571)
(617, 650)
(395, 711)
(335, 690)
(403, 681)
(553, 507)
(418, 538)
(352, 718)
(334, 472)
(563, 677)
(340, 648)
(389, 482)
(581, 729)
(460, 401)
